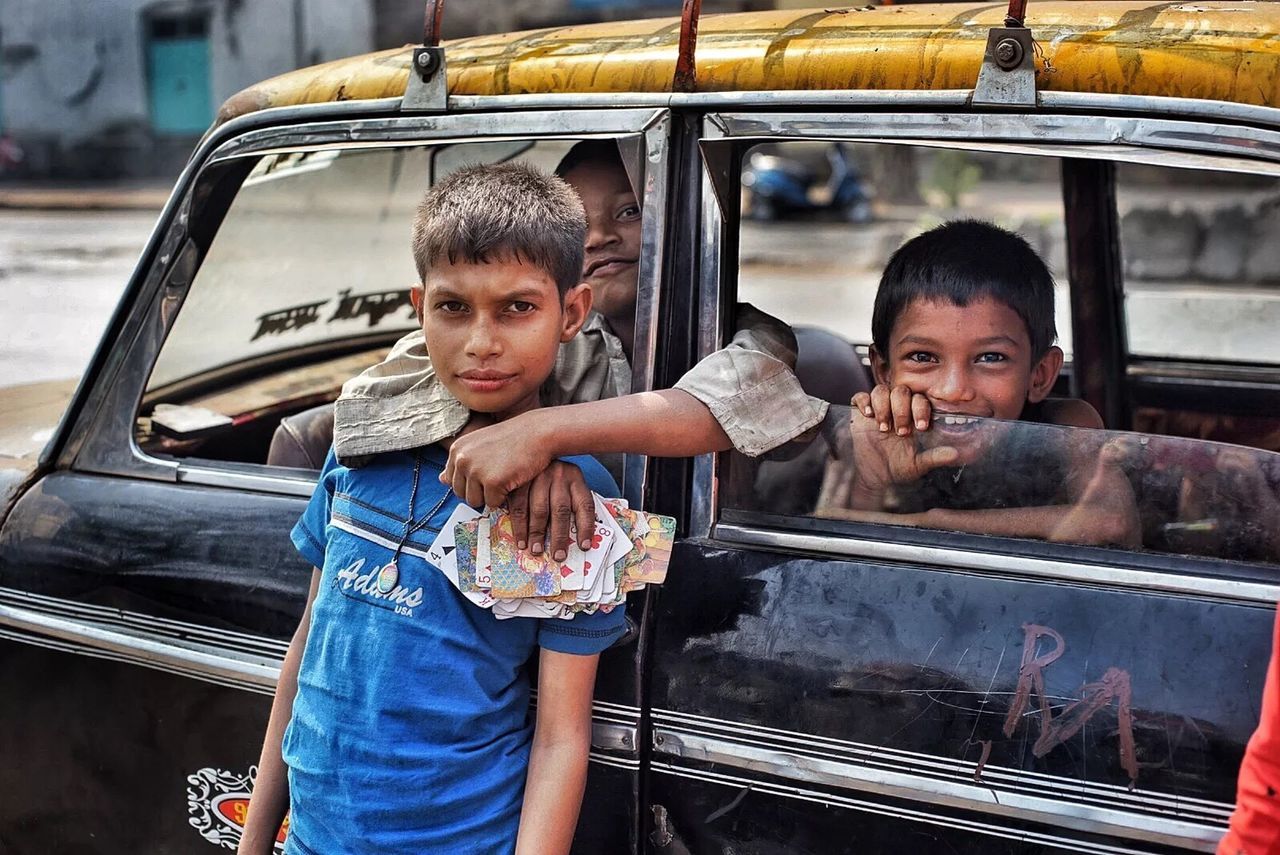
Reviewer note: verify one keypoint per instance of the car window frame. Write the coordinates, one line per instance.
(102, 439)
(1176, 142)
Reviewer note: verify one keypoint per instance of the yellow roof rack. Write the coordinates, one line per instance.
(1226, 51)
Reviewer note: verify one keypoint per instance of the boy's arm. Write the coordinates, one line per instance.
(486, 465)
(270, 801)
(558, 760)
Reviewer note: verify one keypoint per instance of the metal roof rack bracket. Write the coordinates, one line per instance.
(428, 86)
(1008, 74)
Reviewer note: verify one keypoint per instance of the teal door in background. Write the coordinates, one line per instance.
(178, 77)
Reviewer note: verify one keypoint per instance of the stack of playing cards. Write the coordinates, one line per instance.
(477, 552)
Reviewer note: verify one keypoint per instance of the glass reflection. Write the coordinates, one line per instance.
(1021, 479)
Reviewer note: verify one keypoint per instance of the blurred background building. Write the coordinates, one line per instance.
(113, 89)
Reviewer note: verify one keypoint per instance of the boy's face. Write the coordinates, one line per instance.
(973, 360)
(493, 330)
(612, 252)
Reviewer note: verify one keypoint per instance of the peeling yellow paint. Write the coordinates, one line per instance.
(1224, 51)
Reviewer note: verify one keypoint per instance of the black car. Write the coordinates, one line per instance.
(801, 683)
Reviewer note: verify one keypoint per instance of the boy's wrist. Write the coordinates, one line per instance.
(545, 431)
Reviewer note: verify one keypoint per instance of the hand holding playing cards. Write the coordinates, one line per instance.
(625, 550)
(555, 501)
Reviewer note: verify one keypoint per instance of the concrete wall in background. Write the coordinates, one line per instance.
(76, 79)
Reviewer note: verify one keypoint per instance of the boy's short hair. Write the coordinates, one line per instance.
(963, 261)
(487, 212)
(590, 151)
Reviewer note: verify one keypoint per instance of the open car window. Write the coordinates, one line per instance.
(305, 285)
(1198, 476)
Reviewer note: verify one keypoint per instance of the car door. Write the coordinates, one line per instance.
(148, 588)
(828, 682)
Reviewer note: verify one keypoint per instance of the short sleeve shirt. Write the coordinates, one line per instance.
(410, 729)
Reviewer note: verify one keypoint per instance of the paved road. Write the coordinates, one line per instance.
(61, 274)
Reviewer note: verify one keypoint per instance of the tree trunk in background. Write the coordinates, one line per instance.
(895, 175)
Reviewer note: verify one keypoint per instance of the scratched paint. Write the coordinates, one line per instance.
(1114, 685)
(1216, 51)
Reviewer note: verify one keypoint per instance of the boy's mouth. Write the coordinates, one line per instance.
(954, 423)
(607, 266)
(485, 380)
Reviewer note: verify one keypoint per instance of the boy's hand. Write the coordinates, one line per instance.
(511, 462)
(547, 505)
(895, 410)
(884, 450)
(487, 464)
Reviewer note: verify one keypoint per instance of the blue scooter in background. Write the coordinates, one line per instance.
(802, 179)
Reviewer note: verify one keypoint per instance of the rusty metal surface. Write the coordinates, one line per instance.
(686, 78)
(1221, 51)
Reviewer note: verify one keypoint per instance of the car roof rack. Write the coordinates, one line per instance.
(428, 86)
(1008, 74)
(685, 78)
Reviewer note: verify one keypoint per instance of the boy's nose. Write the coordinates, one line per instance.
(953, 386)
(600, 234)
(483, 340)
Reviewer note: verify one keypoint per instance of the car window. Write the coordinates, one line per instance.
(305, 285)
(820, 221)
(1203, 245)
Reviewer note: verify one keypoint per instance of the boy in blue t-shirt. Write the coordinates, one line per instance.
(400, 720)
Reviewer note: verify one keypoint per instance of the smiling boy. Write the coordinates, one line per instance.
(400, 720)
(963, 331)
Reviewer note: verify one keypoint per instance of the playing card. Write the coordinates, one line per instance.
(516, 573)
(443, 546)
(465, 555)
(484, 561)
(658, 533)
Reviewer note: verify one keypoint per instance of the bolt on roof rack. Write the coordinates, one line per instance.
(1008, 74)
(428, 86)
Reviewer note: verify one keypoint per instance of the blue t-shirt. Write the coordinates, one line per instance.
(410, 728)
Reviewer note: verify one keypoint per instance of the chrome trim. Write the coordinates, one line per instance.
(108, 617)
(401, 130)
(1002, 564)
(704, 499)
(1196, 108)
(828, 799)
(994, 777)
(132, 638)
(1236, 376)
(211, 476)
(174, 655)
(606, 736)
(813, 768)
(1058, 129)
(653, 234)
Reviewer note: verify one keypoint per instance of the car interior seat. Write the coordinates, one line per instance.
(828, 368)
(302, 440)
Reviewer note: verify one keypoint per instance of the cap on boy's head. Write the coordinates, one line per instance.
(501, 211)
(961, 262)
(589, 151)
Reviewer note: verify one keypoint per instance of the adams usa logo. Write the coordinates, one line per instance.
(218, 804)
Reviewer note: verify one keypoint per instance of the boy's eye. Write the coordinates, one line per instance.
(521, 307)
(628, 213)
(451, 306)
(920, 356)
(992, 357)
